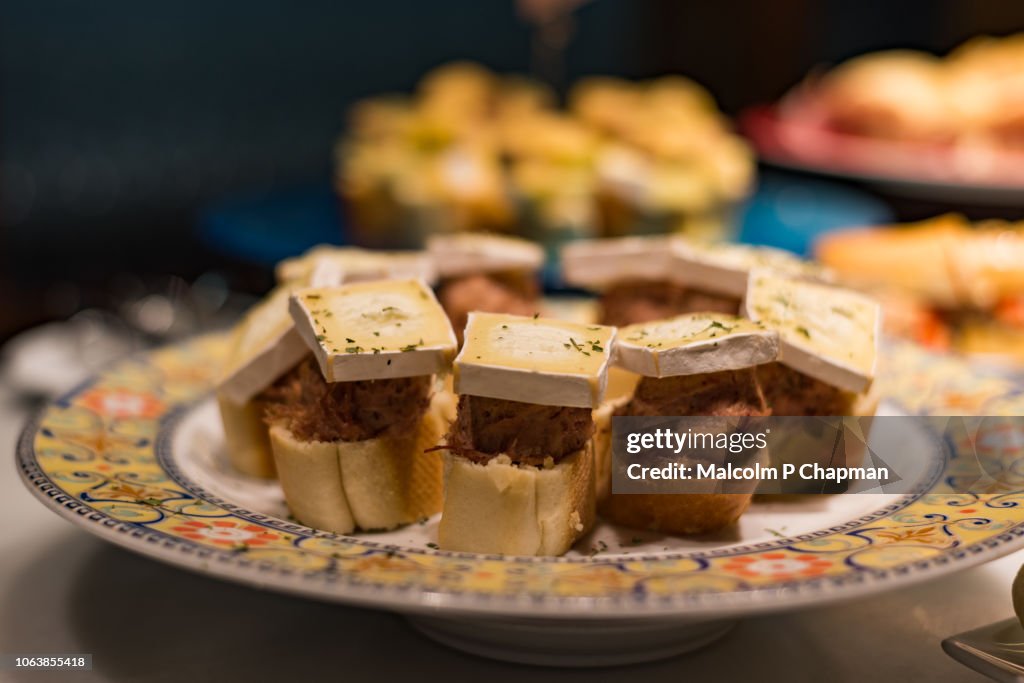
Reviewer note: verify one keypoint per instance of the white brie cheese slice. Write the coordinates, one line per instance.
(724, 268)
(326, 265)
(596, 264)
(374, 330)
(828, 333)
(461, 254)
(534, 360)
(264, 346)
(693, 344)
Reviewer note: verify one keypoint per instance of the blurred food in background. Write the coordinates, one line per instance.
(944, 282)
(973, 98)
(473, 151)
(954, 119)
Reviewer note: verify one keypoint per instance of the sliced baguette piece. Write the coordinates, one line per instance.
(246, 438)
(311, 480)
(694, 343)
(503, 508)
(374, 484)
(391, 481)
(461, 254)
(603, 446)
(827, 333)
(264, 346)
(534, 360)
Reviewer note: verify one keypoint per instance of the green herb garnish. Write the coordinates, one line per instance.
(411, 347)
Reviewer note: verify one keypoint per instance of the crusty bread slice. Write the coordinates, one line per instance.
(566, 504)
(245, 435)
(310, 476)
(373, 484)
(447, 399)
(517, 510)
(603, 446)
(390, 481)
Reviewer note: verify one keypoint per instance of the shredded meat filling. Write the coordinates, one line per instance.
(529, 434)
(510, 292)
(640, 301)
(789, 392)
(730, 393)
(771, 389)
(314, 410)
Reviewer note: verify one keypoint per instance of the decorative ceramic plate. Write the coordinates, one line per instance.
(136, 457)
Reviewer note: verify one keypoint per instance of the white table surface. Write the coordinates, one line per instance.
(64, 591)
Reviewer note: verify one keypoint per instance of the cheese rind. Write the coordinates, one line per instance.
(828, 333)
(534, 360)
(724, 268)
(694, 343)
(467, 253)
(596, 264)
(351, 264)
(264, 346)
(374, 330)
